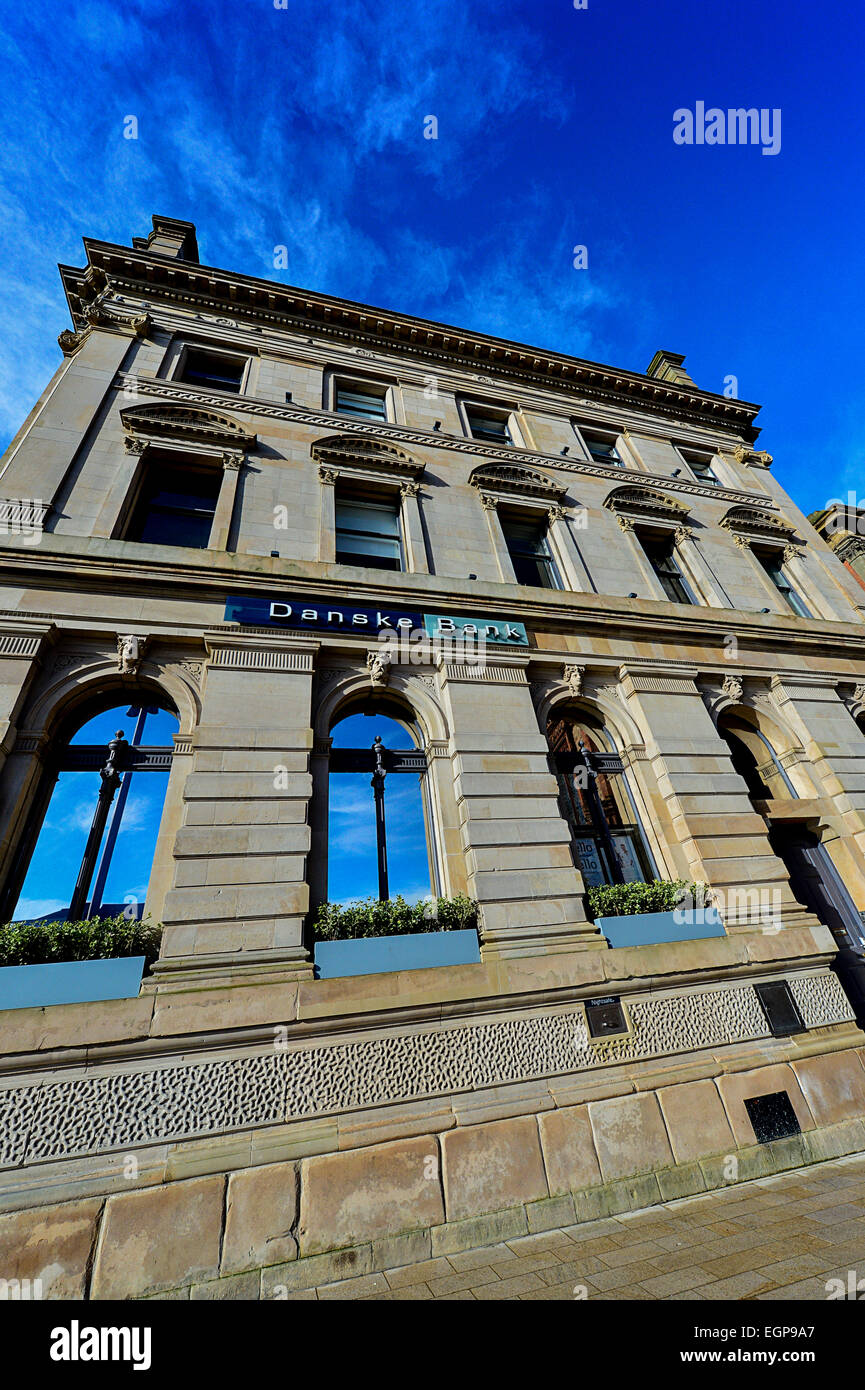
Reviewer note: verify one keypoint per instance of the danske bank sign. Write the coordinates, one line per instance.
(320, 615)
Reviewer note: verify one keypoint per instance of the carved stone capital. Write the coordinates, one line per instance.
(791, 552)
(682, 534)
(134, 445)
(488, 502)
(232, 460)
(409, 489)
(328, 476)
(625, 522)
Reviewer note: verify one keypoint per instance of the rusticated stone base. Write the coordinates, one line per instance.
(273, 1230)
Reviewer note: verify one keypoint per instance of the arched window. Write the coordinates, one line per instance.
(608, 841)
(755, 760)
(89, 845)
(379, 833)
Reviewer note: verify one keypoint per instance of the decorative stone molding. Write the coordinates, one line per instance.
(859, 694)
(403, 434)
(194, 669)
(22, 515)
(378, 664)
(792, 552)
(232, 460)
(733, 688)
(682, 534)
(625, 523)
(242, 653)
(175, 1098)
(133, 445)
(492, 673)
(751, 523)
(437, 748)
(752, 456)
(328, 476)
(644, 503)
(130, 650)
(515, 480)
(70, 342)
(209, 429)
(409, 489)
(488, 502)
(367, 455)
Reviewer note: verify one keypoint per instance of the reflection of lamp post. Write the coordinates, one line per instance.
(110, 778)
(114, 828)
(599, 816)
(377, 784)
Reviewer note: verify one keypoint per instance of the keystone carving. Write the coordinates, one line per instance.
(378, 665)
(733, 688)
(130, 650)
(573, 678)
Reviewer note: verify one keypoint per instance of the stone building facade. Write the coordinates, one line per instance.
(651, 595)
(842, 526)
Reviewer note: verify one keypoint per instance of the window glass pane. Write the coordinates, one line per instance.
(206, 369)
(664, 564)
(366, 545)
(488, 427)
(56, 860)
(352, 846)
(530, 554)
(176, 507)
(365, 516)
(365, 403)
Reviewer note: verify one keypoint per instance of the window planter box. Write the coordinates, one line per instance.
(70, 982)
(376, 955)
(653, 928)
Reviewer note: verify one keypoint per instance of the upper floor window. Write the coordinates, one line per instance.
(773, 565)
(531, 556)
(201, 368)
(365, 402)
(368, 533)
(701, 467)
(602, 447)
(486, 423)
(176, 504)
(661, 556)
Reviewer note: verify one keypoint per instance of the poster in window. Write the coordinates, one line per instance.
(627, 858)
(590, 863)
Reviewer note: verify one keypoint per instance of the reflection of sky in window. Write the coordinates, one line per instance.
(352, 863)
(56, 860)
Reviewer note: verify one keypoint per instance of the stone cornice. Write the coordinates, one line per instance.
(324, 419)
(177, 281)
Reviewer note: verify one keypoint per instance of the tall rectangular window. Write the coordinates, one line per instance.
(530, 553)
(488, 425)
(368, 533)
(365, 402)
(202, 368)
(663, 561)
(176, 505)
(773, 566)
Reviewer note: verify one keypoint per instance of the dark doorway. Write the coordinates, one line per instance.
(817, 885)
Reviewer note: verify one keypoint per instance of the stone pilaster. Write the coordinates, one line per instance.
(240, 891)
(705, 813)
(520, 867)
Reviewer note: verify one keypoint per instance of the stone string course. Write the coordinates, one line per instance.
(93, 1114)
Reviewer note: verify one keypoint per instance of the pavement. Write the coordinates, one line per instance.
(783, 1237)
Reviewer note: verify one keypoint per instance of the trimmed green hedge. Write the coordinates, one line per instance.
(44, 943)
(396, 917)
(627, 899)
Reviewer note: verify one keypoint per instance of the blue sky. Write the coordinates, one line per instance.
(303, 126)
